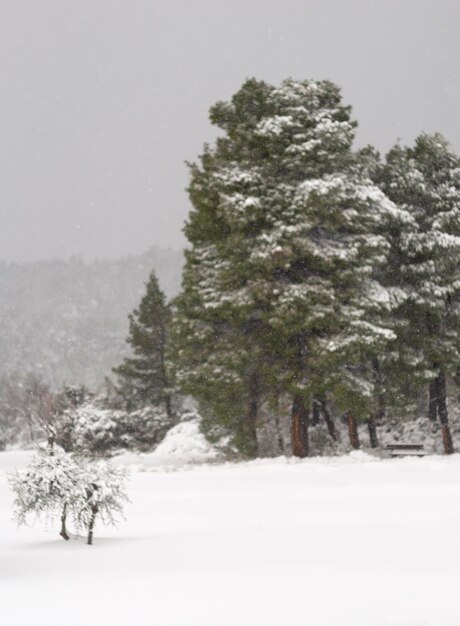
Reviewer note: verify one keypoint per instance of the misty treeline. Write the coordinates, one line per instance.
(133, 409)
(321, 284)
(66, 320)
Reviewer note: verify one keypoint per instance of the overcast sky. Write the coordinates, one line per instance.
(102, 101)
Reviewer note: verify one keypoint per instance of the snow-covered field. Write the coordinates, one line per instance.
(336, 542)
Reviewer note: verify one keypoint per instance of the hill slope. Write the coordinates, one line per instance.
(67, 320)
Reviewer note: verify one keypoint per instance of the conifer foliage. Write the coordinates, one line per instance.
(319, 282)
(280, 289)
(142, 377)
(425, 267)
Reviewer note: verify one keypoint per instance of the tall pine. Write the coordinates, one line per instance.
(279, 293)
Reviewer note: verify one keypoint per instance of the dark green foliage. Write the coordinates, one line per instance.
(286, 232)
(424, 267)
(142, 377)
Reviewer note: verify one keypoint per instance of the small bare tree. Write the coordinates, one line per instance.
(59, 482)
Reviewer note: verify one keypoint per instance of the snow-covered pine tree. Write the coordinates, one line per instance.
(209, 348)
(333, 297)
(424, 267)
(216, 359)
(142, 377)
(286, 233)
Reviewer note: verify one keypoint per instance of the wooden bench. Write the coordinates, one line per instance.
(405, 449)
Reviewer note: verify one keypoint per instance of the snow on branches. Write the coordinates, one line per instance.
(59, 483)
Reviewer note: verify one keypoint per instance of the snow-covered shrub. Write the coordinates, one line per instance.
(145, 427)
(90, 429)
(98, 431)
(59, 483)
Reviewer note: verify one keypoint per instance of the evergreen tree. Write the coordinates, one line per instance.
(286, 231)
(143, 377)
(424, 267)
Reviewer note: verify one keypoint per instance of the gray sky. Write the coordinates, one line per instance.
(102, 101)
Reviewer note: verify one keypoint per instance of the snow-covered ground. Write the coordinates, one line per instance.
(347, 541)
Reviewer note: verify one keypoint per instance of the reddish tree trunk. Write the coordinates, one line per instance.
(299, 426)
(353, 431)
(447, 439)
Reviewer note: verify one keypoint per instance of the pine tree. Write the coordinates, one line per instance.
(143, 377)
(424, 268)
(279, 292)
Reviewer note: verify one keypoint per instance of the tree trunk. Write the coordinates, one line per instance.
(249, 427)
(168, 406)
(251, 430)
(328, 419)
(372, 432)
(63, 532)
(299, 426)
(353, 431)
(315, 413)
(51, 445)
(279, 435)
(381, 404)
(433, 400)
(443, 415)
(94, 510)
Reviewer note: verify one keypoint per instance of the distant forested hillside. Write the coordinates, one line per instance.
(67, 320)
